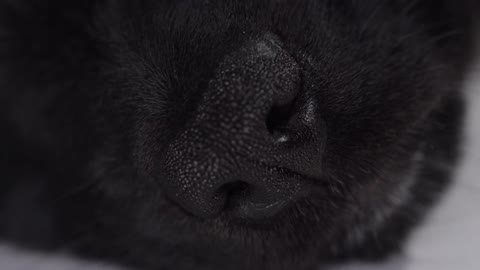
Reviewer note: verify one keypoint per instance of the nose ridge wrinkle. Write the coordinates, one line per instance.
(229, 130)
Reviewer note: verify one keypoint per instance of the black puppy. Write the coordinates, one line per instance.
(208, 134)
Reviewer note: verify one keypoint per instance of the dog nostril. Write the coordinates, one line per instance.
(278, 121)
(284, 101)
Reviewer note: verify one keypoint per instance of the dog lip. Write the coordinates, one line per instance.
(292, 172)
(249, 208)
(257, 211)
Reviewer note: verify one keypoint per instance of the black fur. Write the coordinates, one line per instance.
(95, 95)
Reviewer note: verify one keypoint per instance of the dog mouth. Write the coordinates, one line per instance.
(247, 203)
(243, 203)
(256, 211)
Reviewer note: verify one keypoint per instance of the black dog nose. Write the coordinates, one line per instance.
(219, 161)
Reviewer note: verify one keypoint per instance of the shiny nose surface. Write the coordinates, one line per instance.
(217, 162)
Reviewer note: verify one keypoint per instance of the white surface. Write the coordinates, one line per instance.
(11, 259)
